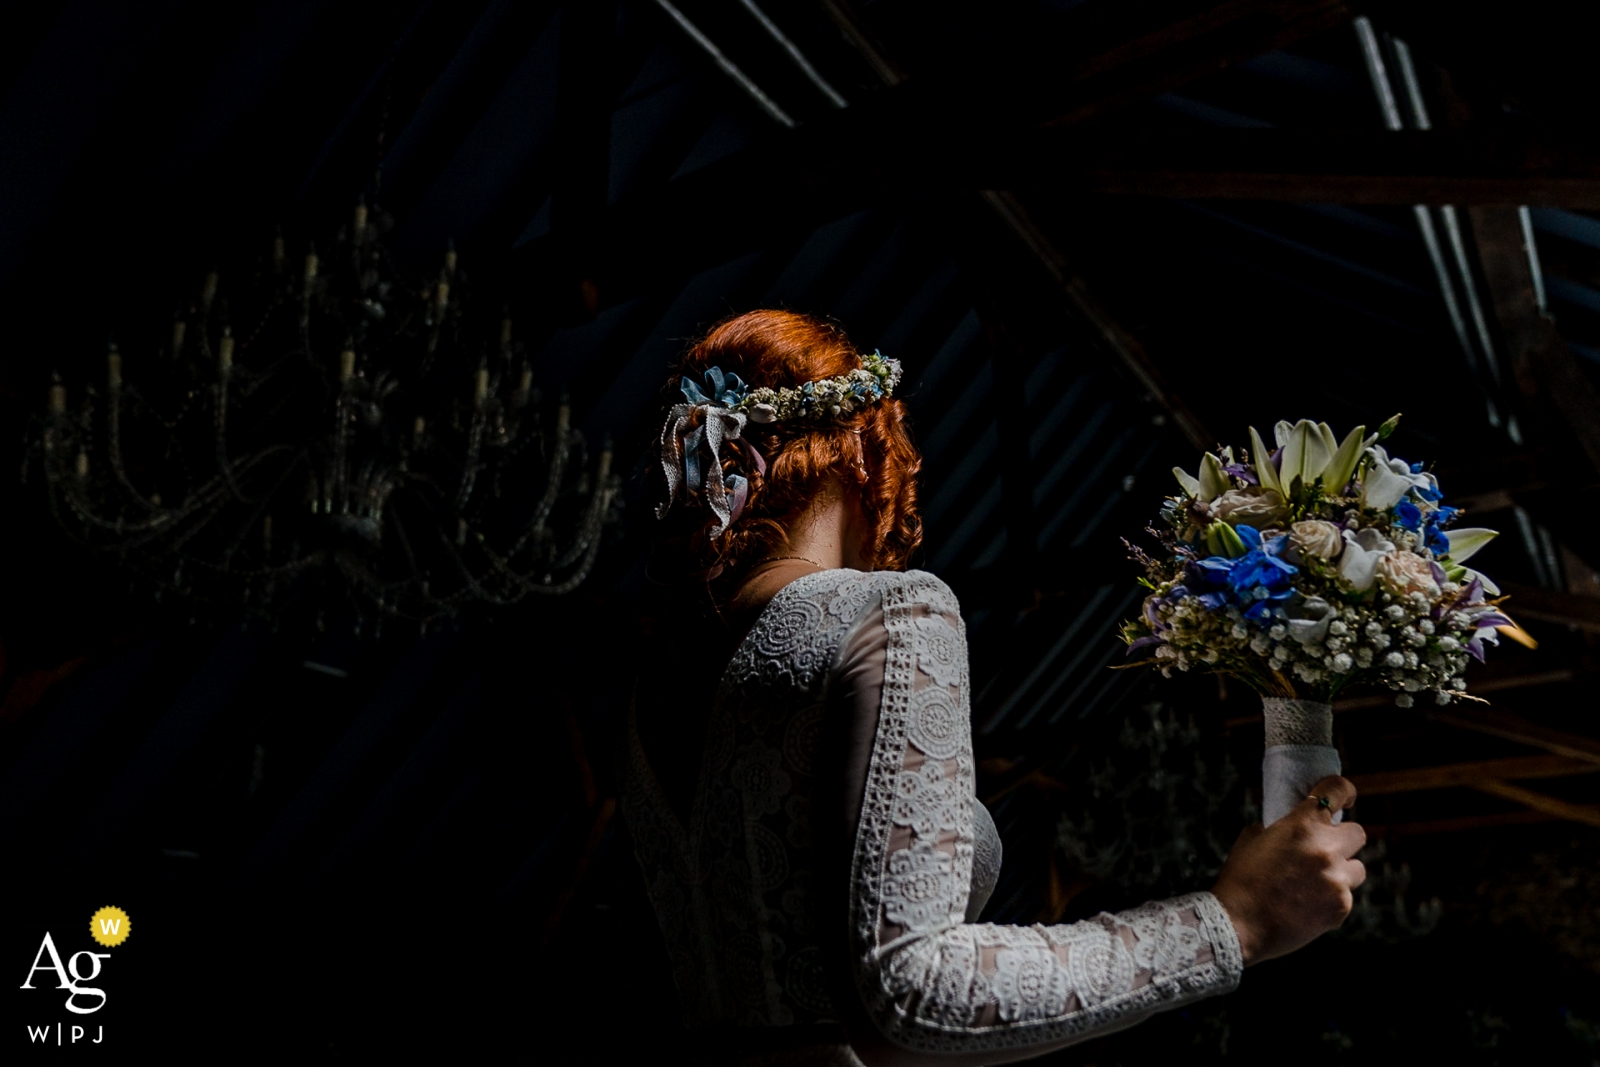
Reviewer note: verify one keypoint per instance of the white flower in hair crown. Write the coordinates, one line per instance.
(714, 414)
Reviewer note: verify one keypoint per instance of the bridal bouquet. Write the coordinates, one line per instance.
(1302, 569)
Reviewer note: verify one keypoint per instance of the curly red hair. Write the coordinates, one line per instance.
(870, 450)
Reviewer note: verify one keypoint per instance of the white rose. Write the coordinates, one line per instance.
(1315, 537)
(1404, 573)
(1253, 507)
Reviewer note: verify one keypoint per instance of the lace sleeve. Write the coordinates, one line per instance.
(931, 983)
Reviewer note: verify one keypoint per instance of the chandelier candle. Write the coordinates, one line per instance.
(1307, 568)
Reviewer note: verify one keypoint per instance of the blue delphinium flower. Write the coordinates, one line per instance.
(1408, 516)
(1257, 580)
(1428, 491)
(1211, 575)
(1260, 569)
(1433, 530)
(1211, 571)
(1259, 577)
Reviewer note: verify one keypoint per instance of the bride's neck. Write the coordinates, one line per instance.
(828, 533)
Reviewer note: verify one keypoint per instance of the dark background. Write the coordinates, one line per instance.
(421, 855)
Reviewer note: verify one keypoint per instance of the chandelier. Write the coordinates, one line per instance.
(329, 439)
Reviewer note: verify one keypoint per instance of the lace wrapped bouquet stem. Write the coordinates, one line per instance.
(1308, 567)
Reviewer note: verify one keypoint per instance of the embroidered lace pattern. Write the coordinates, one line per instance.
(734, 892)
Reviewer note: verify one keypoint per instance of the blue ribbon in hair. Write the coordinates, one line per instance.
(722, 390)
(692, 443)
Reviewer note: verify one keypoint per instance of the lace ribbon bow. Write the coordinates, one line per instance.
(692, 443)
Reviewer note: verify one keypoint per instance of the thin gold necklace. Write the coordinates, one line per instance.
(779, 559)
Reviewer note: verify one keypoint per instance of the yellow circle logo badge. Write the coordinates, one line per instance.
(109, 926)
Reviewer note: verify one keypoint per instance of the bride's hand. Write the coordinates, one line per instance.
(1286, 884)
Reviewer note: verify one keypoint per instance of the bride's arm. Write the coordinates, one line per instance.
(922, 985)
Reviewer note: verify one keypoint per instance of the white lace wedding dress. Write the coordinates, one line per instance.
(841, 729)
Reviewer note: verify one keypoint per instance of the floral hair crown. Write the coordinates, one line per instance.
(824, 398)
(714, 415)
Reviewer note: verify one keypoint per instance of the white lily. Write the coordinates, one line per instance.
(1212, 482)
(1358, 564)
(1310, 620)
(1387, 480)
(1307, 448)
(1465, 542)
(1309, 451)
(1342, 467)
(1266, 473)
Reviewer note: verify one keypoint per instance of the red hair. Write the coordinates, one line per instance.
(869, 451)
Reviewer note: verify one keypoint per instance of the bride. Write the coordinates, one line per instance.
(800, 785)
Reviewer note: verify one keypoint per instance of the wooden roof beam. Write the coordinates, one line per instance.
(1515, 728)
(1588, 814)
(1456, 824)
(1546, 371)
(1143, 61)
(956, 135)
(1559, 405)
(1351, 167)
(1554, 606)
(1123, 344)
(1453, 775)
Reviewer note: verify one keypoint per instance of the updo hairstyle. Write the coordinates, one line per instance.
(870, 451)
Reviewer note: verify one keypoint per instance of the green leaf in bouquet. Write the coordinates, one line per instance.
(1188, 482)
